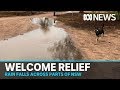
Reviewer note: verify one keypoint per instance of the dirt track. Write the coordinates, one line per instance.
(107, 48)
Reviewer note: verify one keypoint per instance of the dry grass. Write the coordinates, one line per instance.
(81, 33)
(107, 48)
(19, 13)
(76, 21)
(10, 27)
(16, 25)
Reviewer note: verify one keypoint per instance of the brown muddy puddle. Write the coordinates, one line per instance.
(48, 42)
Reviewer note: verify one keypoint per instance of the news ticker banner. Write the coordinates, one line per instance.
(59, 69)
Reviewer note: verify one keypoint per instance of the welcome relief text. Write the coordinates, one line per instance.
(47, 66)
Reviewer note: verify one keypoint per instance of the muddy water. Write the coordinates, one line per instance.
(44, 44)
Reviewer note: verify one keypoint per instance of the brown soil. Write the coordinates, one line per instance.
(107, 48)
(82, 33)
(13, 26)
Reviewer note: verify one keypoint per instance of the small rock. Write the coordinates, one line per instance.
(21, 33)
(5, 39)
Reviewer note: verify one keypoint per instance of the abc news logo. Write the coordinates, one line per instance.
(99, 17)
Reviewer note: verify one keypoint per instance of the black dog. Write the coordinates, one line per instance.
(99, 31)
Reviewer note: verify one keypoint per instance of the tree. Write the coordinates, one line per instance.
(54, 13)
(118, 15)
(81, 11)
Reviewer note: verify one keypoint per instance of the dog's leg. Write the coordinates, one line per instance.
(54, 20)
(97, 39)
(103, 33)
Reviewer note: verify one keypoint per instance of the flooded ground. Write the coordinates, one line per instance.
(42, 43)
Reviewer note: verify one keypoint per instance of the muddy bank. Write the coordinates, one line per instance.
(83, 35)
(15, 25)
(11, 27)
